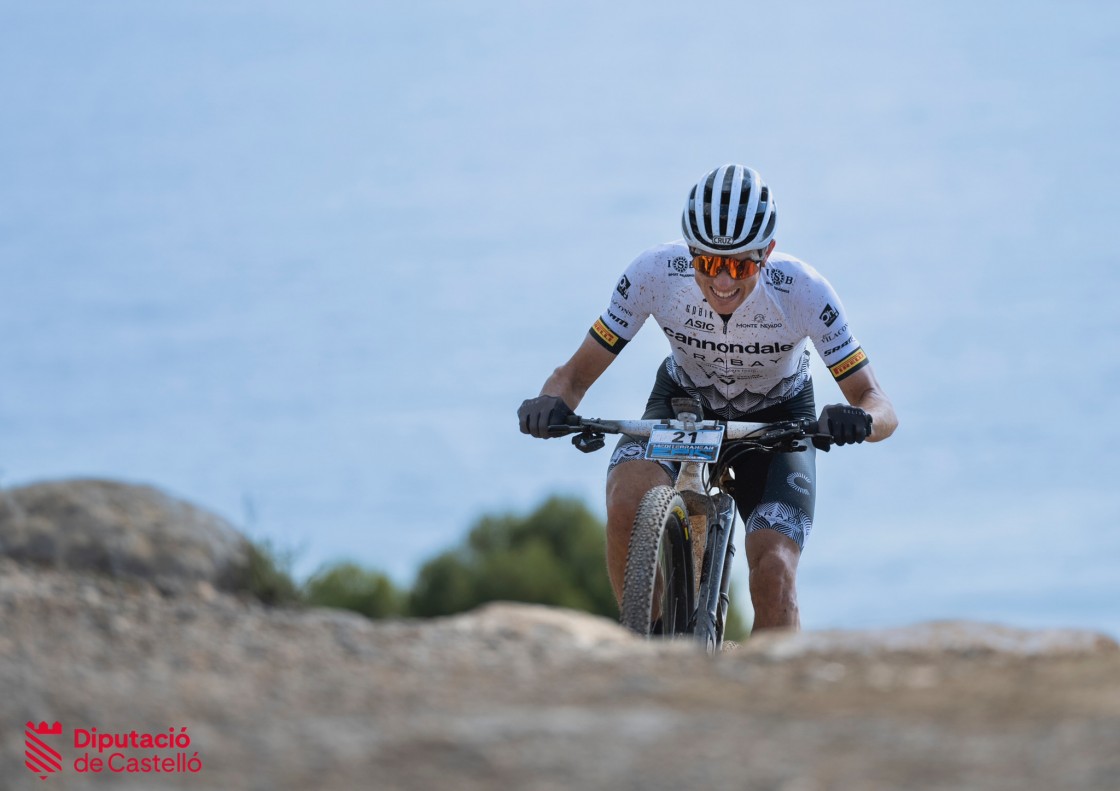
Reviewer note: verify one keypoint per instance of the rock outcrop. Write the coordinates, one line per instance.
(122, 530)
(519, 696)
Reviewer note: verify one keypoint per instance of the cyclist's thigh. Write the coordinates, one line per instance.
(778, 492)
(628, 483)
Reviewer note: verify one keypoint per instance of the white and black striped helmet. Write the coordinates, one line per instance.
(730, 211)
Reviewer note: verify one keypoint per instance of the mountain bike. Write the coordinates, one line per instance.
(691, 523)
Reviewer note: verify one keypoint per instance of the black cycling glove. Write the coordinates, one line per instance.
(537, 414)
(845, 423)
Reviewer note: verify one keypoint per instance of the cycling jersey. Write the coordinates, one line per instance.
(755, 357)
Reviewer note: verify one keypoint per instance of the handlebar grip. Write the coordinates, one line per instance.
(572, 424)
(821, 440)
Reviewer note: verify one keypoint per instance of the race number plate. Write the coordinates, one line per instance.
(670, 444)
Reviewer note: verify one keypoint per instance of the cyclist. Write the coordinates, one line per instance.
(738, 317)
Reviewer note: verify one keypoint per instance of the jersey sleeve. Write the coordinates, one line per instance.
(828, 327)
(630, 306)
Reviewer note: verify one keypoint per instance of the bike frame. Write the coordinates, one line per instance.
(713, 598)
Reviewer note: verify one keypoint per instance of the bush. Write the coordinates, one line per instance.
(269, 576)
(555, 555)
(348, 586)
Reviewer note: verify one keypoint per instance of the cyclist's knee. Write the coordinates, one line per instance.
(773, 579)
(772, 557)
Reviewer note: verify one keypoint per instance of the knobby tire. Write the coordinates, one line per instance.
(659, 545)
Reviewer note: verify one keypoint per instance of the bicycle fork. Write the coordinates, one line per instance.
(715, 580)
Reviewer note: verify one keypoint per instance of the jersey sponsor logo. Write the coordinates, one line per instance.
(829, 315)
(759, 322)
(849, 364)
(680, 266)
(726, 362)
(616, 305)
(605, 335)
(696, 310)
(779, 280)
(835, 349)
(623, 287)
(699, 324)
(621, 322)
(728, 348)
(834, 334)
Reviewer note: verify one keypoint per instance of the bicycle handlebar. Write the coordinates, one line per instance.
(768, 435)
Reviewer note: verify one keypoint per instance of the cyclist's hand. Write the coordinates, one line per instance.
(845, 423)
(537, 414)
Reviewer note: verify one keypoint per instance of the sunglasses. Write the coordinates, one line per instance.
(739, 268)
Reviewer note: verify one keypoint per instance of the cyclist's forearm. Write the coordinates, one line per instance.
(883, 418)
(572, 379)
(862, 389)
(562, 385)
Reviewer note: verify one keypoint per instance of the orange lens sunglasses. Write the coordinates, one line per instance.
(738, 268)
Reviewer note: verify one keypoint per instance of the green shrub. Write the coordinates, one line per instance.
(554, 555)
(348, 586)
(269, 575)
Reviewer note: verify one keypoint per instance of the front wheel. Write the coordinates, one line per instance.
(658, 581)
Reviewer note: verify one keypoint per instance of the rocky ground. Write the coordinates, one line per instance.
(516, 696)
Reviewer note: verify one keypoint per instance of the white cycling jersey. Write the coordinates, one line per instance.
(757, 356)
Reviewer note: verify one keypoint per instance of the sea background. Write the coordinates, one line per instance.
(299, 263)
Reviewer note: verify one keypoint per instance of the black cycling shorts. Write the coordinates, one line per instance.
(773, 491)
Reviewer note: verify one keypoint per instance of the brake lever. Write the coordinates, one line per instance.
(822, 442)
(588, 441)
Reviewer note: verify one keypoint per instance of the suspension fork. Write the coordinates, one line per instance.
(713, 599)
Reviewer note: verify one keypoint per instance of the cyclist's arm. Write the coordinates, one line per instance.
(572, 379)
(862, 389)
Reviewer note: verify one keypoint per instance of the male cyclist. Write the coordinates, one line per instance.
(738, 317)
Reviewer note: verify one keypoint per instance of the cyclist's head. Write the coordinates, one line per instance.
(730, 211)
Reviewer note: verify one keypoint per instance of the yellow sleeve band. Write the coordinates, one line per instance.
(849, 365)
(609, 340)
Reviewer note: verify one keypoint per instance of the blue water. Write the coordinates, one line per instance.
(300, 264)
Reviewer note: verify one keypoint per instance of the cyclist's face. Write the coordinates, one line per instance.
(723, 292)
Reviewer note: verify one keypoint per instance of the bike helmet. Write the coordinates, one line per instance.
(729, 211)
